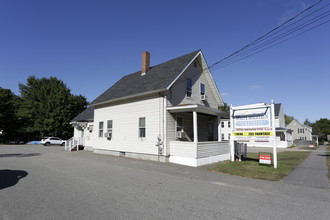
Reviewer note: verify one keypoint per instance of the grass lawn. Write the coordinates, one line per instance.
(286, 161)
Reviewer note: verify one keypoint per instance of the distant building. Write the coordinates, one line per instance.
(300, 131)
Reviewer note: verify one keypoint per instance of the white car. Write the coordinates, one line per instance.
(52, 140)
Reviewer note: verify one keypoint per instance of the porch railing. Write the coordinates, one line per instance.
(199, 150)
(73, 143)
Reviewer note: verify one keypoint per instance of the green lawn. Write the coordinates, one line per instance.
(251, 168)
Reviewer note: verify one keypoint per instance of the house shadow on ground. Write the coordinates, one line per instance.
(9, 178)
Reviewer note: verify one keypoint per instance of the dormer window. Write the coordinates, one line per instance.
(189, 87)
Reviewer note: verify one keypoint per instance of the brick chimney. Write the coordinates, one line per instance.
(145, 62)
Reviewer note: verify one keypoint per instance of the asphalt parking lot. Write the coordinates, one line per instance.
(38, 182)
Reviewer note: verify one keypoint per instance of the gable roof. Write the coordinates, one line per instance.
(157, 78)
(85, 116)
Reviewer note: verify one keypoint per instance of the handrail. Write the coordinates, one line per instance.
(73, 142)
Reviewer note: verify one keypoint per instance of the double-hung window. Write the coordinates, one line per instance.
(109, 128)
(142, 127)
(188, 87)
(101, 129)
(179, 124)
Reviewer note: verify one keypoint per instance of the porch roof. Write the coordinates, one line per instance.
(198, 108)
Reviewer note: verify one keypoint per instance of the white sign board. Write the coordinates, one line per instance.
(252, 124)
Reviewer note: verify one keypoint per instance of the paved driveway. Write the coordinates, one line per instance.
(38, 182)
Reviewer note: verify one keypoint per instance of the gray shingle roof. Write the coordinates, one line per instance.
(158, 77)
(85, 116)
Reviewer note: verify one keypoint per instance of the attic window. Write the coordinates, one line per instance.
(202, 89)
(195, 63)
(189, 87)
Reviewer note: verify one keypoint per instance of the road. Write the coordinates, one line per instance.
(38, 182)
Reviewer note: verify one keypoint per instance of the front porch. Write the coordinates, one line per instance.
(197, 137)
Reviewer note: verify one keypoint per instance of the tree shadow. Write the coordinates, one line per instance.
(10, 178)
(324, 155)
(19, 155)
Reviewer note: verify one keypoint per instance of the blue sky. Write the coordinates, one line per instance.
(90, 44)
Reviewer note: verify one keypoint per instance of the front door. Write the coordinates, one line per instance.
(210, 130)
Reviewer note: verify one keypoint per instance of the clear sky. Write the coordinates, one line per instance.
(90, 44)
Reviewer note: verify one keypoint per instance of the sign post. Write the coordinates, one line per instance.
(274, 131)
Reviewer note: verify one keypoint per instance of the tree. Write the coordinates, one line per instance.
(225, 107)
(47, 107)
(8, 107)
(308, 123)
(322, 128)
(288, 119)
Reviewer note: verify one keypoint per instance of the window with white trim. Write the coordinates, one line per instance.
(142, 127)
(228, 124)
(189, 87)
(109, 128)
(202, 89)
(222, 124)
(179, 124)
(101, 129)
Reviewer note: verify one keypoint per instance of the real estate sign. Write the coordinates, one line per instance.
(252, 123)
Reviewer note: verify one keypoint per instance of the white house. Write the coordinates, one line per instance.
(300, 131)
(225, 129)
(168, 112)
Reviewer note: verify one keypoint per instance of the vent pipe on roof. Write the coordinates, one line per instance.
(145, 62)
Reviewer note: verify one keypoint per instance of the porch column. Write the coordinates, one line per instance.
(195, 127)
(219, 128)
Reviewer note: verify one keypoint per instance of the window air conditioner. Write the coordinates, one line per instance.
(180, 134)
(203, 97)
(108, 135)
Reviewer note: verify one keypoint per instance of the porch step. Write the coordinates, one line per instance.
(81, 147)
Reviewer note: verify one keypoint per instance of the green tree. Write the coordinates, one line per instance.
(288, 119)
(47, 107)
(322, 128)
(308, 122)
(225, 107)
(8, 120)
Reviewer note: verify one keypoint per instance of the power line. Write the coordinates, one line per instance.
(274, 44)
(279, 37)
(274, 31)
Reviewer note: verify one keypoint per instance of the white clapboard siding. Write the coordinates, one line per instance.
(125, 131)
(178, 96)
(183, 149)
(208, 149)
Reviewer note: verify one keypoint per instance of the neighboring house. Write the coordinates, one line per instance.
(300, 131)
(167, 112)
(225, 129)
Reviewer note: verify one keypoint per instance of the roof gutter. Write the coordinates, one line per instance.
(129, 97)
